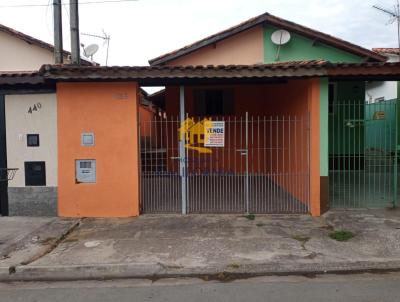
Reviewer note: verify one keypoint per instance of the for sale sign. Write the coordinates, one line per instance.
(214, 134)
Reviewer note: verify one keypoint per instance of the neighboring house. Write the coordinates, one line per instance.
(29, 124)
(22, 52)
(377, 92)
(287, 129)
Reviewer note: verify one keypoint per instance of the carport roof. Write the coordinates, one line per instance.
(276, 70)
(169, 75)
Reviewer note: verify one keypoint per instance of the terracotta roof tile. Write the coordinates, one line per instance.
(196, 74)
(394, 51)
(275, 70)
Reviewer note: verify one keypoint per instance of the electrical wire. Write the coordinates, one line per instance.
(80, 3)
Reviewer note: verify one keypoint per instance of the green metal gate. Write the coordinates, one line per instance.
(363, 155)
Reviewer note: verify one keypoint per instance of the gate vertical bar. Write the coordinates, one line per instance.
(247, 164)
(396, 150)
(182, 153)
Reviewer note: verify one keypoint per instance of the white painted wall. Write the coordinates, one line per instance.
(19, 123)
(375, 90)
(18, 55)
(386, 89)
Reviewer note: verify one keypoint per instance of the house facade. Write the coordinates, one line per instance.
(243, 126)
(345, 124)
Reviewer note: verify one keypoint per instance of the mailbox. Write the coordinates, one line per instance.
(86, 171)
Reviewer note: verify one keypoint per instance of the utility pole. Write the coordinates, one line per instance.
(58, 36)
(74, 27)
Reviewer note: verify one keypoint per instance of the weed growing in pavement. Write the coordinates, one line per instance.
(341, 235)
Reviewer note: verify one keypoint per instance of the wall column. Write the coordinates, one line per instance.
(319, 145)
(315, 147)
(110, 112)
(324, 144)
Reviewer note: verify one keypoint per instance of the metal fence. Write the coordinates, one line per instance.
(363, 155)
(262, 166)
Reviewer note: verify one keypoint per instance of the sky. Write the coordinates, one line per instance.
(144, 29)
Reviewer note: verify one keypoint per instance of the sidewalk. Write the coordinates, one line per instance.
(25, 239)
(220, 245)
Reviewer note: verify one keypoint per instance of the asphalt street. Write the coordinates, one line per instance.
(338, 288)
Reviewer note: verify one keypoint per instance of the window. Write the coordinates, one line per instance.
(32, 140)
(35, 173)
(213, 102)
(87, 139)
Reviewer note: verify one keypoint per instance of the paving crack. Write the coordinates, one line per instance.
(51, 246)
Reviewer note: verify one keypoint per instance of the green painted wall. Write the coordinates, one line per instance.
(349, 108)
(398, 116)
(324, 127)
(381, 134)
(301, 48)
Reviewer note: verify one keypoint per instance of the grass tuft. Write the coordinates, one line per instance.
(250, 216)
(341, 235)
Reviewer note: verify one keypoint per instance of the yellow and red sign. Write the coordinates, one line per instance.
(203, 134)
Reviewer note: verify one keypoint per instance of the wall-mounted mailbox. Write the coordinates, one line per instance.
(85, 170)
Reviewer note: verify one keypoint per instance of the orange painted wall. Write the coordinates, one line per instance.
(146, 115)
(276, 100)
(98, 108)
(244, 48)
(315, 183)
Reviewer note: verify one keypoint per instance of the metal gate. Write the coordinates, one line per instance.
(363, 155)
(259, 165)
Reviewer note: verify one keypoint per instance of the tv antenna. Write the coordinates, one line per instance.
(105, 37)
(280, 37)
(394, 15)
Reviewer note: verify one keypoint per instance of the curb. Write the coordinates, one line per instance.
(4, 273)
(160, 271)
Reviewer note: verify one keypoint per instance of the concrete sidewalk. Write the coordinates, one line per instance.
(217, 246)
(25, 239)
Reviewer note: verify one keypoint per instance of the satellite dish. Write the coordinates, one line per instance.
(280, 37)
(90, 50)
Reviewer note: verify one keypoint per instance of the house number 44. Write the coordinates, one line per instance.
(35, 107)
